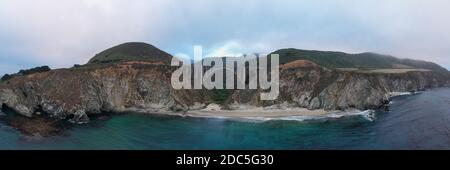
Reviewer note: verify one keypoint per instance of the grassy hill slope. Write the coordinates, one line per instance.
(363, 60)
(133, 51)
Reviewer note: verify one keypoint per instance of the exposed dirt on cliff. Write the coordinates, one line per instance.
(107, 85)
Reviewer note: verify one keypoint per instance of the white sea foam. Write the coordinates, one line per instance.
(394, 94)
(367, 114)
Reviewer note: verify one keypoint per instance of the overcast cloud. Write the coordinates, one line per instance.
(60, 33)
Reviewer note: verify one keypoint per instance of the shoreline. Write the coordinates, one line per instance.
(264, 114)
(396, 94)
(257, 112)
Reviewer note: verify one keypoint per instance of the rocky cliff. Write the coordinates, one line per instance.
(74, 93)
(314, 87)
(120, 85)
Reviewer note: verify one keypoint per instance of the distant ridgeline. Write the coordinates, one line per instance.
(363, 60)
(138, 51)
(26, 72)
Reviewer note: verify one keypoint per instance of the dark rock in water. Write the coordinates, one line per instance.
(385, 105)
(79, 117)
(37, 126)
(103, 117)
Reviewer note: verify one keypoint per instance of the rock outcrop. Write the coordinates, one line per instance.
(74, 93)
(134, 85)
(315, 87)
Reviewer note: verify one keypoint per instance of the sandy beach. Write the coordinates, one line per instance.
(257, 112)
(260, 113)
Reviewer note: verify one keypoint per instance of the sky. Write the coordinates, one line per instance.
(60, 33)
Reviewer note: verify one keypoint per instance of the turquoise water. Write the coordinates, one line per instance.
(419, 121)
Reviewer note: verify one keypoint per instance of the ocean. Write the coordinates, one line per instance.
(419, 121)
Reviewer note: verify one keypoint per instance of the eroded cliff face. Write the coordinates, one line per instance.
(311, 86)
(76, 93)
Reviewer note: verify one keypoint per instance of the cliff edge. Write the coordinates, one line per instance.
(136, 77)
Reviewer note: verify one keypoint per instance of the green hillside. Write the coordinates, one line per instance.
(343, 60)
(133, 51)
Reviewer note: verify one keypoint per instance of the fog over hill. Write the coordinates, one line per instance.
(61, 33)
